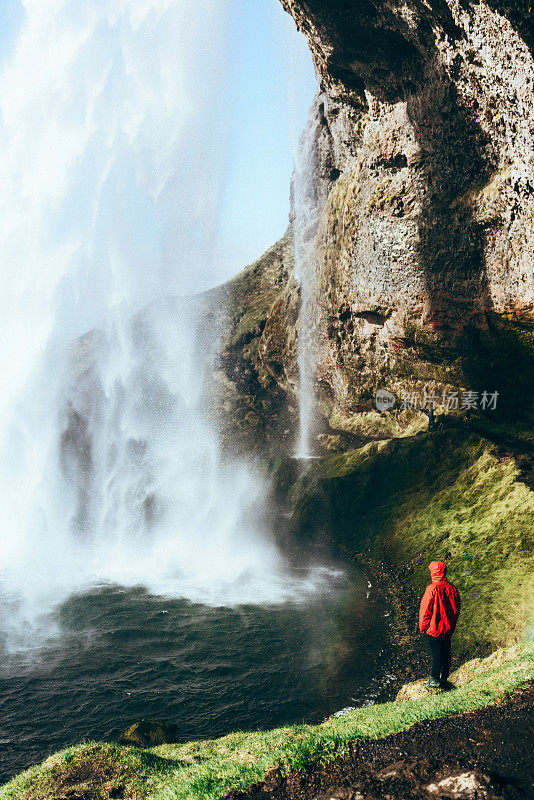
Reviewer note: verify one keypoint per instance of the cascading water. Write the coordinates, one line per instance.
(304, 222)
(111, 469)
(123, 526)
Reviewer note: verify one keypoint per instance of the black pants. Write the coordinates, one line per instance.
(440, 647)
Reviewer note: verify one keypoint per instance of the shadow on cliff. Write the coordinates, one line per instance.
(457, 161)
(521, 15)
(396, 56)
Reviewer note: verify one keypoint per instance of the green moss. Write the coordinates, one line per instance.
(209, 769)
(445, 495)
(373, 423)
(90, 771)
(249, 296)
(255, 312)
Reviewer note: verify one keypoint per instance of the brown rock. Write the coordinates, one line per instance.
(421, 140)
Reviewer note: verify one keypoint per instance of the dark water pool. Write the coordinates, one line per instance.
(123, 654)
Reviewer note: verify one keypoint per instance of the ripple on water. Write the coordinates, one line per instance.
(120, 655)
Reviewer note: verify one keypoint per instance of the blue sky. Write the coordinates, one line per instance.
(273, 87)
(11, 17)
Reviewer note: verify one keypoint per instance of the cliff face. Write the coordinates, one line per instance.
(252, 390)
(423, 163)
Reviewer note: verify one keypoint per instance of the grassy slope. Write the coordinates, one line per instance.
(209, 769)
(249, 296)
(444, 495)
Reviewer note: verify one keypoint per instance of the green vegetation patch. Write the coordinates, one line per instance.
(373, 423)
(435, 496)
(256, 312)
(208, 770)
(90, 771)
(249, 296)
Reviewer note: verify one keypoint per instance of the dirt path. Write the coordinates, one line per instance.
(491, 749)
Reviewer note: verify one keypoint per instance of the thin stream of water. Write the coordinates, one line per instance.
(304, 203)
(306, 209)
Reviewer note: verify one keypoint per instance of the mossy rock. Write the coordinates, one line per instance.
(250, 394)
(150, 733)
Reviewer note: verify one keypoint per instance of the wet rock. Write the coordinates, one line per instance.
(150, 733)
(329, 442)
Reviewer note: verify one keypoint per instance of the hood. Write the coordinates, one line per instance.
(438, 570)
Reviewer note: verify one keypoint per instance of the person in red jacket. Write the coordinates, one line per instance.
(438, 615)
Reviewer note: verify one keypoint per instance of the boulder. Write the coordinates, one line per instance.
(149, 733)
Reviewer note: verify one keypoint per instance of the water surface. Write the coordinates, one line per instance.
(123, 654)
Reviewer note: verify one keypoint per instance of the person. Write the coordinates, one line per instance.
(438, 615)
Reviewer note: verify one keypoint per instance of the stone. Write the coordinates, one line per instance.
(150, 733)
(421, 137)
(465, 785)
(418, 220)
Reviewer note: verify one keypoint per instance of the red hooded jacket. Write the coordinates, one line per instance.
(440, 606)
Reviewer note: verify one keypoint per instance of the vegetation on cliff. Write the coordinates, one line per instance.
(259, 310)
(447, 495)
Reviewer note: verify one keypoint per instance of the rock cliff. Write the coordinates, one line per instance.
(421, 143)
(427, 162)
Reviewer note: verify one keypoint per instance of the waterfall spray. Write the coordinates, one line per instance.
(110, 466)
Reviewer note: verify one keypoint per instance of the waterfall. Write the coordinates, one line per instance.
(111, 469)
(304, 216)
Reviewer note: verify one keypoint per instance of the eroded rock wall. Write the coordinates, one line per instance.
(424, 137)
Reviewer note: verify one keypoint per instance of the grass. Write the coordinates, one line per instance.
(445, 495)
(91, 771)
(209, 769)
(250, 295)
